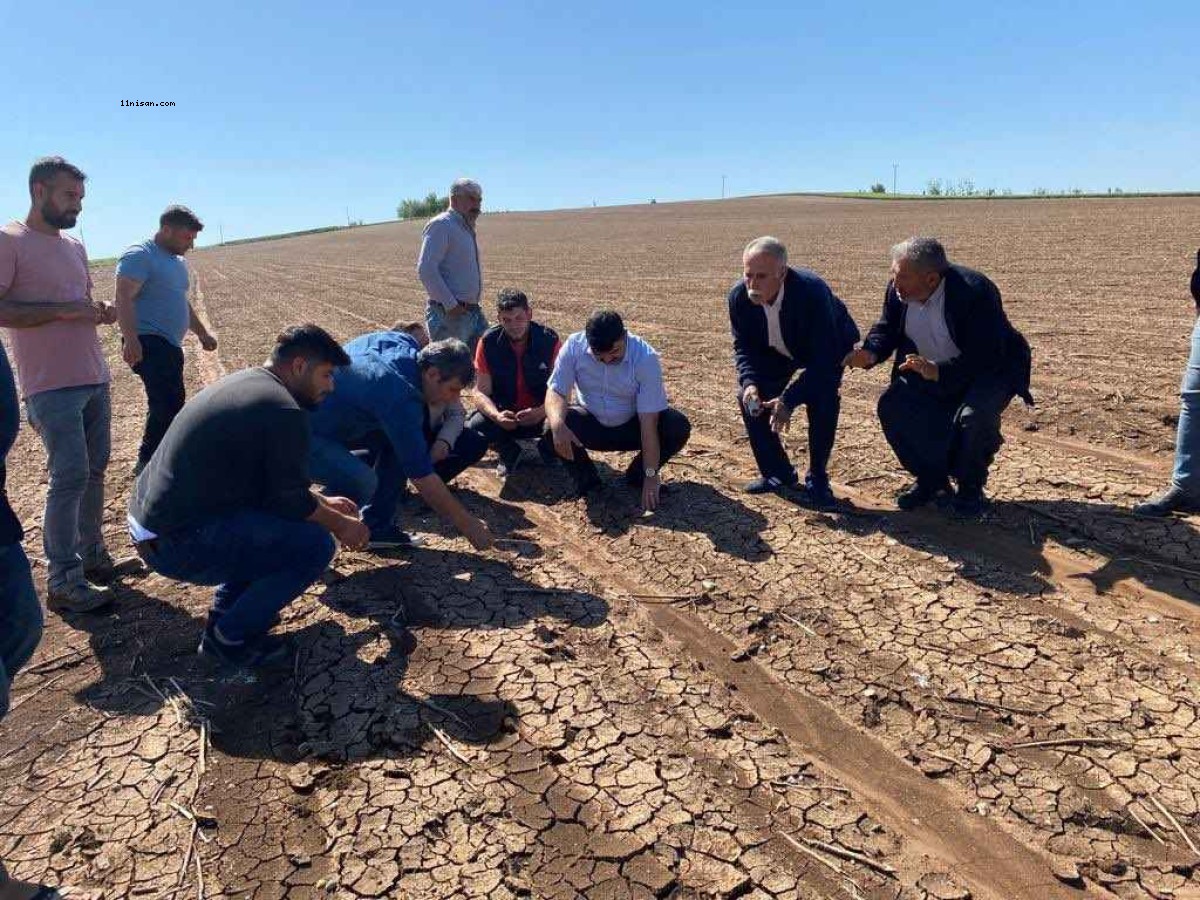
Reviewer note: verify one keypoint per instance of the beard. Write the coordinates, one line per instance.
(756, 296)
(58, 219)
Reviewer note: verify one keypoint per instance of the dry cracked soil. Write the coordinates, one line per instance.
(733, 697)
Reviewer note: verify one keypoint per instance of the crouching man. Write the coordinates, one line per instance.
(226, 498)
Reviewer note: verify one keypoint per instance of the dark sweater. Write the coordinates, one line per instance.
(241, 443)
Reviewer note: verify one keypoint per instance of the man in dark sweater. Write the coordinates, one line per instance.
(513, 362)
(226, 499)
(786, 321)
(959, 362)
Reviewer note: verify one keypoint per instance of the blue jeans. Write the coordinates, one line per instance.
(374, 480)
(467, 326)
(259, 562)
(75, 427)
(1187, 438)
(20, 617)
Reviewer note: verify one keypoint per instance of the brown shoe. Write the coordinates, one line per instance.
(79, 598)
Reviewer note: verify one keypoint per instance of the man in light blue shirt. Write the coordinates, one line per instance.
(621, 404)
(154, 313)
(449, 267)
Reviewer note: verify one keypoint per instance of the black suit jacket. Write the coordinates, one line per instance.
(817, 330)
(988, 344)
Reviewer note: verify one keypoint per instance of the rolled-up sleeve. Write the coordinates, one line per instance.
(287, 489)
(434, 245)
(651, 392)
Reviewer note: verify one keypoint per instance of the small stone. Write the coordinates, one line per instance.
(940, 886)
(1067, 872)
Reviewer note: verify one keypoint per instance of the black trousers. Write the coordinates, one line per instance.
(504, 441)
(936, 435)
(469, 448)
(772, 459)
(161, 371)
(674, 429)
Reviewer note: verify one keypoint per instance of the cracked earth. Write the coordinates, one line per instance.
(734, 697)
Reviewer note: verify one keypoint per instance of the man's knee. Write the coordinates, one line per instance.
(316, 548)
(471, 446)
(675, 428)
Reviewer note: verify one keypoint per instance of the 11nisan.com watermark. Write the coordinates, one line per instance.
(147, 102)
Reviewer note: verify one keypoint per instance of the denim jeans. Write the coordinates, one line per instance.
(1187, 439)
(161, 371)
(20, 617)
(467, 326)
(75, 427)
(259, 562)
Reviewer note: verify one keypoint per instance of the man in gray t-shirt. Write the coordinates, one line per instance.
(154, 314)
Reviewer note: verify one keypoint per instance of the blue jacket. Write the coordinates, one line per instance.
(987, 342)
(817, 330)
(380, 391)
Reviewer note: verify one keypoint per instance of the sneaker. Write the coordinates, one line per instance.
(104, 568)
(1173, 499)
(393, 539)
(817, 496)
(969, 503)
(920, 494)
(265, 651)
(79, 598)
(768, 484)
(215, 615)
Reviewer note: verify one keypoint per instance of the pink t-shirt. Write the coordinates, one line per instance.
(37, 268)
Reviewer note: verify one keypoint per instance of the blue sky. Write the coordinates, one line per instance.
(289, 113)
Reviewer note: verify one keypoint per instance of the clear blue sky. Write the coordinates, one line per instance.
(288, 113)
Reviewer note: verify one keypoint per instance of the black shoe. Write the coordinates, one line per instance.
(393, 539)
(214, 616)
(1173, 499)
(969, 503)
(263, 652)
(920, 494)
(768, 484)
(816, 496)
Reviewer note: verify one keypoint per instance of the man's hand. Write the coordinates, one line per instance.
(131, 351)
(859, 358)
(208, 341)
(781, 414)
(455, 311)
(106, 313)
(564, 441)
(527, 417)
(751, 401)
(650, 491)
(508, 420)
(478, 533)
(352, 533)
(919, 364)
(439, 451)
(344, 505)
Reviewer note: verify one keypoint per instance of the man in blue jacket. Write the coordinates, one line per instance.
(959, 362)
(785, 321)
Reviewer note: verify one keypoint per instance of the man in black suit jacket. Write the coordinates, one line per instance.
(958, 364)
(786, 320)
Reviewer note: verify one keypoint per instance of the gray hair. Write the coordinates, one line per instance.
(769, 245)
(925, 253)
(465, 187)
(452, 359)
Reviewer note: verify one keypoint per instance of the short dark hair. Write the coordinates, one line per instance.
(176, 216)
(510, 299)
(310, 341)
(603, 329)
(46, 169)
(408, 326)
(452, 359)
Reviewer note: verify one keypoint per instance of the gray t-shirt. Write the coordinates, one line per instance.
(162, 301)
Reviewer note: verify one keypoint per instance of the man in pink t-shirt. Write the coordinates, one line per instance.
(47, 307)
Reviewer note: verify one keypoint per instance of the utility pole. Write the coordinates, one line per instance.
(722, 187)
(347, 217)
(221, 232)
(895, 166)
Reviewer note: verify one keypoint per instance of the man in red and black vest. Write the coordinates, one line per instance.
(513, 362)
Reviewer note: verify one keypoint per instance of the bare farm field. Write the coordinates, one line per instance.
(734, 697)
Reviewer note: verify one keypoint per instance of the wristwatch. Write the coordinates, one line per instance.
(650, 473)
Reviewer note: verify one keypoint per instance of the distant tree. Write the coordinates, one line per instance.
(1041, 192)
(934, 187)
(422, 209)
(878, 188)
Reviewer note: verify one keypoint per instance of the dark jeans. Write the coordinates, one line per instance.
(674, 429)
(935, 434)
(768, 450)
(20, 617)
(161, 371)
(503, 440)
(259, 562)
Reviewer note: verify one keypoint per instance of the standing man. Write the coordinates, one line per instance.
(381, 406)
(959, 362)
(226, 499)
(449, 267)
(154, 314)
(513, 363)
(622, 405)
(1183, 493)
(46, 303)
(785, 320)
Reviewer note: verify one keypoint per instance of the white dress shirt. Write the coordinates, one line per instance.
(774, 329)
(613, 393)
(925, 324)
